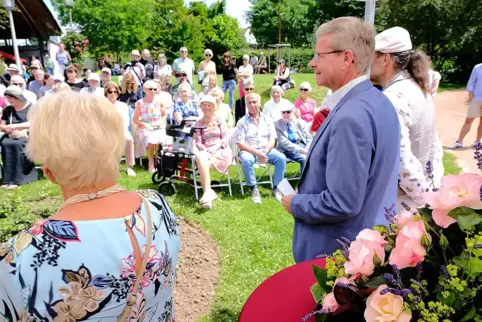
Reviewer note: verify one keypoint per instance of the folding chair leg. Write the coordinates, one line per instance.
(240, 176)
(194, 176)
(271, 177)
(229, 183)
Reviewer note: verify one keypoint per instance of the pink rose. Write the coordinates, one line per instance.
(456, 191)
(362, 253)
(404, 217)
(386, 307)
(329, 302)
(409, 251)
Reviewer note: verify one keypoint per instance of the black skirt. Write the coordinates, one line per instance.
(17, 168)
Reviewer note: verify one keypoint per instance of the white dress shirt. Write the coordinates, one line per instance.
(273, 109)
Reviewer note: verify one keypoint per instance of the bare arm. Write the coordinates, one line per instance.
(135, 117)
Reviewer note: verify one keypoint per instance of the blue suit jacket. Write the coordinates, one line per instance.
(350, 174)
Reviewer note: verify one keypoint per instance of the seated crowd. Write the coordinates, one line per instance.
(278, 133)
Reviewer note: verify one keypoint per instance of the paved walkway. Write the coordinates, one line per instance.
(451, 109)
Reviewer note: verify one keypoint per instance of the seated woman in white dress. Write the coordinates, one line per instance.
(107, 254)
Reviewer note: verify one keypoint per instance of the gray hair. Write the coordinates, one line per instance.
(248, 83)
(258, 97)
(350, 33)
(416, 62)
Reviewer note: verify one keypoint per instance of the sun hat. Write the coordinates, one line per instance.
(286, 106)
(94, 77)
(393, 40)
(15, 91)
(12, 67)
(135, 52)
(208, 99)
(107, 70)
(245, 57)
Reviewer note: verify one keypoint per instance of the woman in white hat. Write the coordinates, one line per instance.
(212, 149)
(206, 67)
(245, 73)
(305, 106)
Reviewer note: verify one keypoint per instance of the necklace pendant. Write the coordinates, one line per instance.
(92, 195)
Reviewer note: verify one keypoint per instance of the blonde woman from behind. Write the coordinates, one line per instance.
(87, 261)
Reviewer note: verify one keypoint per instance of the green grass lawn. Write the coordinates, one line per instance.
(255, 240)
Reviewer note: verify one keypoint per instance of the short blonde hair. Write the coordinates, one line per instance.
(353, 34)
(79, 137)
(149, 84)
(216, 91)
(61, 87)
(128, 77)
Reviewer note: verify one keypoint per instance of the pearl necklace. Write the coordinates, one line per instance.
(91, 196)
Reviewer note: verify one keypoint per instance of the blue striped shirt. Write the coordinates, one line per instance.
(475, 82)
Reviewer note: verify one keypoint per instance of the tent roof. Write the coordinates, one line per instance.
(32, 19)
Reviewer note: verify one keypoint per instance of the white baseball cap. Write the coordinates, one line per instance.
(286, 106)
(208, 99)
(106, 70)
(135, 52)
(94, 77)
(393, 40)
(245, 57)
(305, 85)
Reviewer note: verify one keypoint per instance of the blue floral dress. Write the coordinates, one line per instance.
(187, 110)
(67, 271)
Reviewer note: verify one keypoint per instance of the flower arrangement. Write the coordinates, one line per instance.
(425, 265)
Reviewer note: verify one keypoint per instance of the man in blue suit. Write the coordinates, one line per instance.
(350, 176)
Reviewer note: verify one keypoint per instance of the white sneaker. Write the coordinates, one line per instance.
(277, 195)
(130, 172)
(456, 145)
(255, 196)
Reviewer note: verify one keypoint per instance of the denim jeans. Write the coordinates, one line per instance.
(297, 157)
(231, 85)
(275, 158)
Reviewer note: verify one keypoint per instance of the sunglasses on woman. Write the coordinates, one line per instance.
(152, 89)
(304, 90)
(249, 89)
(207, 55)
(112, 92)
(286, 112)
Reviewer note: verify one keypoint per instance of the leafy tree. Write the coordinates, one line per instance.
(111, 25)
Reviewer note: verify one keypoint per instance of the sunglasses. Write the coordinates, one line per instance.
(181, 75)
(249, 89)
(286, 112)
(152, 89)
(112, 92)
(207, 55)
(18, 84)
(304, 90)
(183, 51)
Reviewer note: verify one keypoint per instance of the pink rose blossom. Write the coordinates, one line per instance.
(456, 191)
(404, 217)
(329, 302)
(409, 251)
(362, 251)
(386, 307)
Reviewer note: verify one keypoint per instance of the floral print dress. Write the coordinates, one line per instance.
(67, 271)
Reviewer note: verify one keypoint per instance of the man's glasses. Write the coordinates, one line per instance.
(304, 89)
(181, 75)
(318, 55)
(249, 89)
(152, 89)
(184, 51)
(112, 92)
(286, 112)
(252, 102)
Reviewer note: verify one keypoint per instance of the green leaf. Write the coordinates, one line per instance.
(447, 301)
(461, 211)
(466, 217)
(376, 282)
(473, 266)
(321, 278)
(469, 315)
(317, 292)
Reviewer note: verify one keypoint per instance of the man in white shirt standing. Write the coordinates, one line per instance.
(421, 153)
(94, 82)
(183, 63)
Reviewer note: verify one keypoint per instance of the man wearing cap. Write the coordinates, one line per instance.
(94, 81)
(402, 72)
(20, 82)
(136, 68)
(240, 108)
(350, 175)
(185, 64)
(255, 137)
(474, 88)
(293, 137)
(12, 70)
(106, 76)
(181, 78)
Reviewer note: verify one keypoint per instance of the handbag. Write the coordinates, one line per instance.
(132, 296)
(18, 134)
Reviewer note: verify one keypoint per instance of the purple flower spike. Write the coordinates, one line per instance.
(390, 214)
(308, 316)
(419, 271)
(478, 246)
(445, 272)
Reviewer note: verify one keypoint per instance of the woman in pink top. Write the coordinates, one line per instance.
(305, 106)
(212, 150)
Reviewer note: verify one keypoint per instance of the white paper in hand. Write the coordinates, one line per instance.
(285, 188)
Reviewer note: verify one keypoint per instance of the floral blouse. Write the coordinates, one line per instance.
(186, 110)
(67, 271)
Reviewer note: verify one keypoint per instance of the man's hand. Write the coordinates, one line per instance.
(286, 202)
(8, 128)
(262, 157)
(304, 151)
